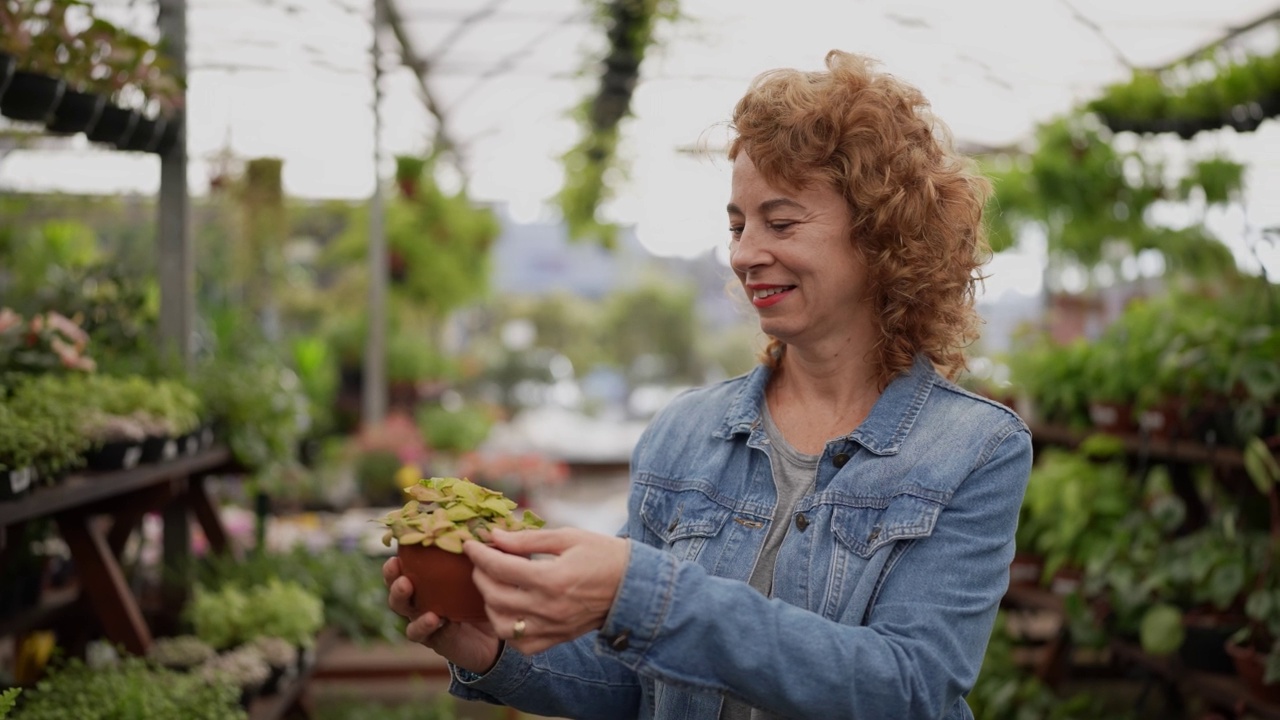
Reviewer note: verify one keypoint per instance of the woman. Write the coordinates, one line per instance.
(828, 536)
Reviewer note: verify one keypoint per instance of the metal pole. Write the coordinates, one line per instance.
(375, 385)
(177, 271)
(174, 248)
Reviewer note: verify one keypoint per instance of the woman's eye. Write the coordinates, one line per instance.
(780, 226)
(735, 230)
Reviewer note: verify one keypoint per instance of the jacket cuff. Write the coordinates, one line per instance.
(505, 676)
(640, 607)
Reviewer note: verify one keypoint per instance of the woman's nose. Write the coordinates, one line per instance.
(748, 251)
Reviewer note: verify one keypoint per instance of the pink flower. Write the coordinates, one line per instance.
(9, 319)
(65, 326)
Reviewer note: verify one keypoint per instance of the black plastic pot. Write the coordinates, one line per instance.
(145, 134)
(31, 96)
(113, 126)
(8, 64)
(15, 483)
(167, 139)
(189, 444)
(1204, 648)
(159, 448)
(77, 112)
(119, 455)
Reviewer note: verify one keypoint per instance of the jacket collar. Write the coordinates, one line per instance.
(882, 432)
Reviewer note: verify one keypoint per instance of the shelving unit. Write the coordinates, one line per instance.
(95, 514)
(1180, 456)
(125, 497)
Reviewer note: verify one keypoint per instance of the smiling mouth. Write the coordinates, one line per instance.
(762, 294)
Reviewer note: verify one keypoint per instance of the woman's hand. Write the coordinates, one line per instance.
(473, 647)
(539, 602)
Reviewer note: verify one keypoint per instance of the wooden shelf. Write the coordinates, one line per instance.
(1036, 598)
(51, 608)
(126, 496)
(1157, 449)
(1226, 691)
(84, 491)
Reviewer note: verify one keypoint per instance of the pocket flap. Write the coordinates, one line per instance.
(675, 515)
(865, 528)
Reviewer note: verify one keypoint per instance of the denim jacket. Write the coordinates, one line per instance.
(885, 588)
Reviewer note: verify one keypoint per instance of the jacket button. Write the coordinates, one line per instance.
(620, 642)
(875, 533)
(802, 522)
(840, 459)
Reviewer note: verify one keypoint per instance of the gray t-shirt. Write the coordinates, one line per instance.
(794, 475)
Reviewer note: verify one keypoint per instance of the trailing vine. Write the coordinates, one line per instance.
(629, 26)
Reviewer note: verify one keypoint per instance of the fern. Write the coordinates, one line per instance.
(8, 699)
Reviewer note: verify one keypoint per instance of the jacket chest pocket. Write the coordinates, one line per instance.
(864, 529)
(682, 520)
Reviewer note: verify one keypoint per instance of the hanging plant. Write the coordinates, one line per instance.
(1092, 200)
(629, 26)
(1240, 94)
(409, 170)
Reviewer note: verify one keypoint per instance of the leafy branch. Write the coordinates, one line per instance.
(629, 26)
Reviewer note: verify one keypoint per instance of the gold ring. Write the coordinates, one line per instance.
(517, 630)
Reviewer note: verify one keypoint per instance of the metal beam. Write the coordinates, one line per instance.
(421, 67)
(374, 395)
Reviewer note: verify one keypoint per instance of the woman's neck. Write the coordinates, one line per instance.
(816, 397)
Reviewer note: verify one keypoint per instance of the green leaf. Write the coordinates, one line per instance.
(1261, 465)
(1161, 631)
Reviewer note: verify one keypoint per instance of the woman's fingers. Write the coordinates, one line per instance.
(400, 597)
(424, 627)
(565, 591)
(391, 570)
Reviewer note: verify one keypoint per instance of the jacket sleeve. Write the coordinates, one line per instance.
(918, 653)
(569, 680)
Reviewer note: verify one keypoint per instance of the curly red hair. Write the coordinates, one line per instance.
(917, 203)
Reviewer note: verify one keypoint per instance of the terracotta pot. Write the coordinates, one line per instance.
(1026, 569)
(1163, 421)
(1250, 666)
(1112, 417)
(1066, 580)
(442, 583)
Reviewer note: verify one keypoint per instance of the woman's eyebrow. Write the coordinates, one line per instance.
(768, 206)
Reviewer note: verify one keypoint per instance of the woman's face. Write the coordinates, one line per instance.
(793, 253)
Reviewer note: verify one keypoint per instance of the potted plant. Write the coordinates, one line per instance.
(180, 653)
(243, 668)
(1255, 650)
(429, 531)
(281, 655)
(282, 609)
(129, 688)
(44, 432)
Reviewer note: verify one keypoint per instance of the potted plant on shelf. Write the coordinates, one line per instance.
(128, 688)
(1255, 650)
(243, 668)
(429, 531)
(180, 653)
(284, 610)
(282, 657)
